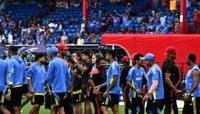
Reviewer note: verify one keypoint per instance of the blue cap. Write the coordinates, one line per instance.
(22, 49)
(149, 57)
(53, 50)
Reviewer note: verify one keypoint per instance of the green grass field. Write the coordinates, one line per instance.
(44, 111)
(27, 108)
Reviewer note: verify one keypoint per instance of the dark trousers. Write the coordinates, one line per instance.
(0, 101)
(197, 105)
(188, 108)
(154, 106)
(68, 104)
(170, 103)
(137, 106)
(126, 99)
(96, 104)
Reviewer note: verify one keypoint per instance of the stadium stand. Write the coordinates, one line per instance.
(35, 23)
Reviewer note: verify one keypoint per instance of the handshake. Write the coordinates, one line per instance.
(96, 89)
(97, 92)
(185, 96)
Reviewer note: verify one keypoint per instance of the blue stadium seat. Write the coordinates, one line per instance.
(24, 10)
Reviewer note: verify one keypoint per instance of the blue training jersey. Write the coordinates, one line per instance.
(136, 76)
(155, 73)
(189, 82)
(3, 71)
(16, 71)
(113, 70)
(58, 76)
(37, 74)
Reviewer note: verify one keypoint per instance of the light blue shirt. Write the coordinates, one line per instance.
(189, 81)
(37, 75)
(16, 71)
(113, 70)
(155, 73)
(58, 75)
(136, 76)
(3, 71)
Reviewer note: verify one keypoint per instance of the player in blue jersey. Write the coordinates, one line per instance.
(36, 76)
(192, 86)
(16, 77)
(135, 81)
(26, 94)
(3, 70)
(155, 95)
(58, 78)
(112, 93)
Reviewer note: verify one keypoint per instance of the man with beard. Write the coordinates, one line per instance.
(36, 76)
(172, 79)
(135, 81)
(98, 77)
(192, 86)
(63, 53)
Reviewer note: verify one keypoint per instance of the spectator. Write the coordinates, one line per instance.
(42, 38)
(177, 26)
(64, 38)
(52, 26)
(116, 23)
(129, 8)
(92, 38)
(2, 5)
(50, 39)
(60, 3)
(10, 38)
(82, 26)
(60, 27)
(128, 25)
(163, 20)
(124, 21)
(80, 41)
(2, 37)
(158, 27)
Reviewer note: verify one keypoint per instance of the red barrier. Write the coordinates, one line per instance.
(156, 44)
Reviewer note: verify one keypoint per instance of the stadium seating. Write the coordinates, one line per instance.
(71, 18)
(23, 11)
